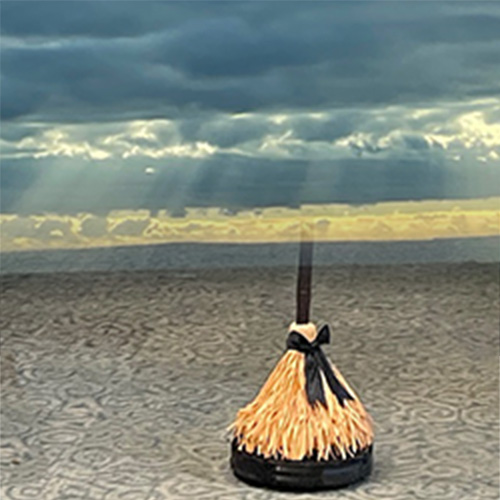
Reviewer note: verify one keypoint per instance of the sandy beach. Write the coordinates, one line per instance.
(120, 385)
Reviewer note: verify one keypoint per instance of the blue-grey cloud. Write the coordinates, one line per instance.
(329, 128)
(127, 105)
(223, 132)
(117, 60)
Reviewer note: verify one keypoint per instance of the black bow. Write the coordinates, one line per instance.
(315, 363)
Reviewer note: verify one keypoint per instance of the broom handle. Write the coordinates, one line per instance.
(304, 278)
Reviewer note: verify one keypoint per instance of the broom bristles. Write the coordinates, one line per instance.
(281, 423)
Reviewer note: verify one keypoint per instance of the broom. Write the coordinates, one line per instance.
(306, 429)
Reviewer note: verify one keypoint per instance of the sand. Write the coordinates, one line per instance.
(119, 385)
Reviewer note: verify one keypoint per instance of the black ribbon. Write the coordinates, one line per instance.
(315, 363)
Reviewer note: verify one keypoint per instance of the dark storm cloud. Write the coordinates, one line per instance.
(95, 19)
(20, 97)
(77, 61)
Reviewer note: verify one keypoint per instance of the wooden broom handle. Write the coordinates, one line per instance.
(304, 278)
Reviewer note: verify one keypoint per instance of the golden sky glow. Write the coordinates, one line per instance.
(383, 221)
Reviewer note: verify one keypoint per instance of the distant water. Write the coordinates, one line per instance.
(211, 255)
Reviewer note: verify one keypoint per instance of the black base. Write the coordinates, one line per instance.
(300, 475)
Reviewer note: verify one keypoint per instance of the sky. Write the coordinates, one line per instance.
(123, 105)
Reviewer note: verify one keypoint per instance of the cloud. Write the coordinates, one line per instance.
(94, 227)
(88, 19)
(254, 160)
(114, 61)
(50, 230)
(332, 133)
(130, 227)
(108, 105)
(19, 227)
(224, 131)
(326, 127)
(386, 221)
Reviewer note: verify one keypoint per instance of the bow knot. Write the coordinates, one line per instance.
(315, 363)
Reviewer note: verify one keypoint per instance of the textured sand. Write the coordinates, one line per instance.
(120, 385)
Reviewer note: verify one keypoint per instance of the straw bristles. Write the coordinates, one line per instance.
(280, 422)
